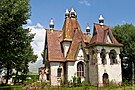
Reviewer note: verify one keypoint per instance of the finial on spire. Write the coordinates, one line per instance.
(88, 29)
(73, 13)
(72, 10)
(101, 20)
(67, 13)
(51, 24)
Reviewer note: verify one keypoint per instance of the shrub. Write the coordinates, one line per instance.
(74, 81)
(112, 84)
(78, 81)
(70, 83)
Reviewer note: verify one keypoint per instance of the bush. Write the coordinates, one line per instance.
(70, 83)
(74, 81)
(126, 83)
(78, 81)
(112, 84)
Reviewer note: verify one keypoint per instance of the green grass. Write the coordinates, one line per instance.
(118, 88)
(10, 87)
(71, 88)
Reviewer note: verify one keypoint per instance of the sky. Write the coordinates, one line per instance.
(88, 11)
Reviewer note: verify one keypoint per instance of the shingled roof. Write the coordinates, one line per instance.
(77, 39)
(72, 32)
(100, 34)
(54, 46)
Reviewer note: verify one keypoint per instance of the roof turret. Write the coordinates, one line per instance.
(51, 24)
(101, 20)
(73, 13)
(67, 13)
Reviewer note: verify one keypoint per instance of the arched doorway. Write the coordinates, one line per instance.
(105, 79)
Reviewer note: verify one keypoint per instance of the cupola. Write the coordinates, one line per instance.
(101, 20)
(67, 13)
(51, 24)
(73, 13)
(88, 29)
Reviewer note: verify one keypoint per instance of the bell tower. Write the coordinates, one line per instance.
(105, 63)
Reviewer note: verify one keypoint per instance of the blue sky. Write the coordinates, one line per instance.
(88, 11)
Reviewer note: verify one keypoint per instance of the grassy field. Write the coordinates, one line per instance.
(11, 88)
(72, 88)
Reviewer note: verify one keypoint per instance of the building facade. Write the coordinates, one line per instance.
(71, 53)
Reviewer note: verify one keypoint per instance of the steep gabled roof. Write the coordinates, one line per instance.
(69, 28)
(101, 35)
(74, 46)
(71, 32)
(54, 46)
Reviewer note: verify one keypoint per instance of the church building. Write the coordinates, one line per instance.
(70, 52)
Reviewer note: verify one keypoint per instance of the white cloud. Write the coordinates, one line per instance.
(37, 45)
(39, 25)
(85, 2)
(29, 21)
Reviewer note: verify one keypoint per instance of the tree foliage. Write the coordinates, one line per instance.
(125, 34)
(15, 42)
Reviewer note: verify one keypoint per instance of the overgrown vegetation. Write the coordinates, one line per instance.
(125, 34)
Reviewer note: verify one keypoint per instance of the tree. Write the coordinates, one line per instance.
(15, 47)
(125, 34)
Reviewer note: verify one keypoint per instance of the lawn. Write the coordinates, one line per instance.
(72, 88)
(10, 87)
(91, 88)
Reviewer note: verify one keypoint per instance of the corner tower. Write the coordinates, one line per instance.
(105, 63)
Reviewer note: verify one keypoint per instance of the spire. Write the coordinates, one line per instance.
(101, 20)
(73, 13)
(51, 24)
(88, 29)
(67, 13)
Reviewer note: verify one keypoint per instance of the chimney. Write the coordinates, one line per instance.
(101, 20)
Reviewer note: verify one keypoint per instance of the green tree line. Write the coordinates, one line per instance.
(125, 34)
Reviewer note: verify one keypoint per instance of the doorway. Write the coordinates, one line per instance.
(105, 79)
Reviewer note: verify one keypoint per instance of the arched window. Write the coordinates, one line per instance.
(112, 56)
(103, 56)
(59, 70)
(80, 69)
